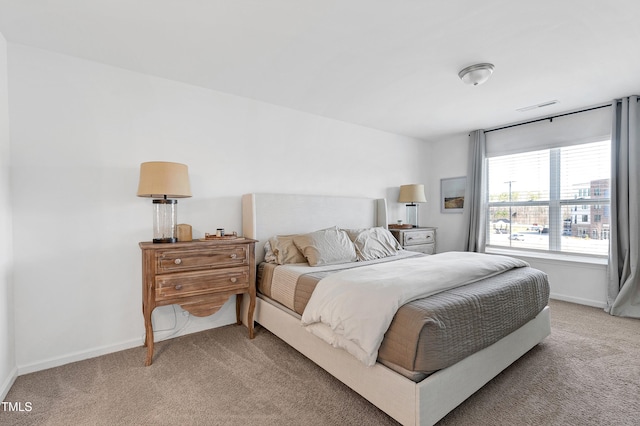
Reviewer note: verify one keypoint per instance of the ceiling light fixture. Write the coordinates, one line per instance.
(476, 74)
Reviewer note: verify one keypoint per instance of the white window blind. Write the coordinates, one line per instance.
(572, 129)
(550, 197)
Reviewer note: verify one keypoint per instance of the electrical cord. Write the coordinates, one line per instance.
(173, 327)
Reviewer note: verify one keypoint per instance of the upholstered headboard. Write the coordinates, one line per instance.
(266, 215)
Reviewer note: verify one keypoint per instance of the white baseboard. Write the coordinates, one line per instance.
(578, 300)
(6, 385)
(104, 350)
(77, 356)
(184, 324)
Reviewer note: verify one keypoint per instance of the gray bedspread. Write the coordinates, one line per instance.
(435, 332)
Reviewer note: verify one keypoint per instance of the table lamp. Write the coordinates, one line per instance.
(164, 181)
(412, 194)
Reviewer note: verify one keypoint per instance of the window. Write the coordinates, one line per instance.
(554, 199)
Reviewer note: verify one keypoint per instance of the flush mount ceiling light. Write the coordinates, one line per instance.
(476, 74)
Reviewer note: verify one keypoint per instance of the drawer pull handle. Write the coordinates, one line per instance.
(177, 261)
(233, 255)
(233, 280)
(178, 287)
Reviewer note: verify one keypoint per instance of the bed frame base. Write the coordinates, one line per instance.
(410, 403)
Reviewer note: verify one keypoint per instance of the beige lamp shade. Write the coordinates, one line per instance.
(413, 193)
(161, 179)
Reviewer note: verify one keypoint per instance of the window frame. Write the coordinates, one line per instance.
(555, 206)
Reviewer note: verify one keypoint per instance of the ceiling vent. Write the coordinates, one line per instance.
(542, 105)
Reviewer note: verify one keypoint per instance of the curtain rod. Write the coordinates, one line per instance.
(547, 118)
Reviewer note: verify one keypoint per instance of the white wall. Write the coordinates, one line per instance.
(7, 346)
(449, 159)
(572, 281)
(79, 131)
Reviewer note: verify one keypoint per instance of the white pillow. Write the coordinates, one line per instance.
(373, 243)
(326, 247)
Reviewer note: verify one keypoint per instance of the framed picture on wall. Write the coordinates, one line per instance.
(452, 194)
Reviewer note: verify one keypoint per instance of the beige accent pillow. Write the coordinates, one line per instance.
(373, 243)
(285, 251)
(326, 247)
(269, 255)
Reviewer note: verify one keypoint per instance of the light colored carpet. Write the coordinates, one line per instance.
(586, 373)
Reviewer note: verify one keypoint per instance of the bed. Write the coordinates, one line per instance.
(409, 398)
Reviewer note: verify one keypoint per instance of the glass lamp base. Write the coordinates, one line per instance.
(165, 221)
(412, 215)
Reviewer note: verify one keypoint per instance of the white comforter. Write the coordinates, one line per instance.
(353, 309)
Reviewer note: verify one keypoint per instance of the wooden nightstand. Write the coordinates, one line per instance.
(200, 276)
(422, 240)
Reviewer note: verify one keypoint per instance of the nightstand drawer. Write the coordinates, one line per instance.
(418, 237)
(423, 248)
(190, 260)
(194, 283)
